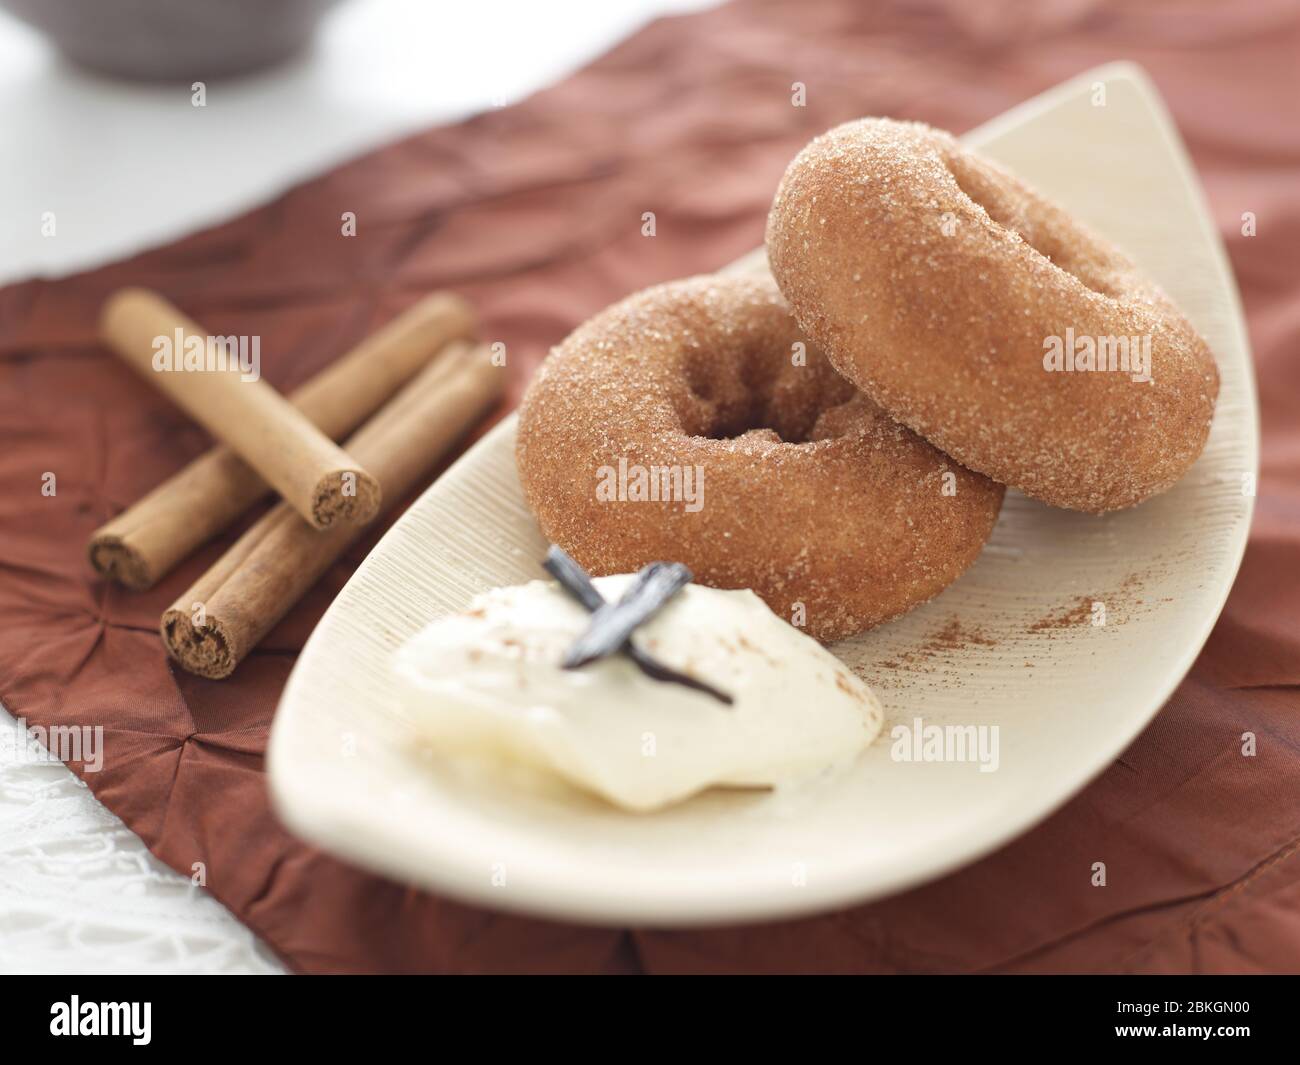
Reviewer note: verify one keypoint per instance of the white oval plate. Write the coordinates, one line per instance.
(1012, 644)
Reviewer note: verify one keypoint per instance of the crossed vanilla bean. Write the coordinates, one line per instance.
(612, 624)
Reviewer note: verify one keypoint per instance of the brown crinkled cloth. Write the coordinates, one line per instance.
(534, 213)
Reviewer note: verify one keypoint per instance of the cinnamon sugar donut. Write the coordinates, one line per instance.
(966, 305)
(780, 476)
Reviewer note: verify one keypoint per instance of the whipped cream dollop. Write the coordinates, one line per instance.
(488, 683)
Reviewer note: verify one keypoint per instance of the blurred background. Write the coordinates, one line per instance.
(98, 117)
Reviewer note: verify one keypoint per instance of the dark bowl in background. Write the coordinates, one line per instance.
(181, 40)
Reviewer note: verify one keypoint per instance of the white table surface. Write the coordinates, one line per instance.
(78, 890)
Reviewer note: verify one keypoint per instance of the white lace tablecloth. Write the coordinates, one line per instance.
(78, 891)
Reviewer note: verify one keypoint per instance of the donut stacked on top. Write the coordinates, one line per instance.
(980, 315)
(844, 453)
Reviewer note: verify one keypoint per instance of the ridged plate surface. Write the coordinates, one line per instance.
(1012, 644)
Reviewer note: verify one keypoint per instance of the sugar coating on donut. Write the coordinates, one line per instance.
(946, 289)
(832, 512)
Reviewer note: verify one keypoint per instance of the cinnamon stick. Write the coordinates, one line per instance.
(311, 472)
(215, 623)
(145, 542)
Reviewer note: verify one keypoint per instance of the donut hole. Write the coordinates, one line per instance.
(760, 391)
(698, 381)
(1011, 212)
